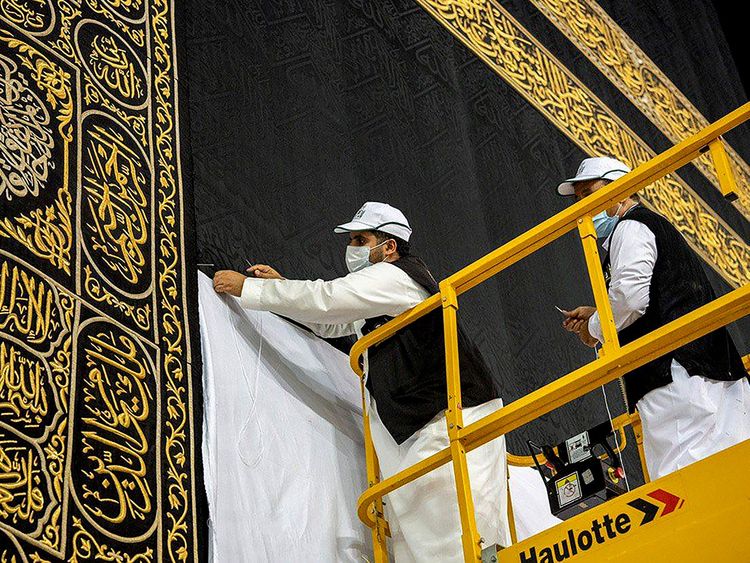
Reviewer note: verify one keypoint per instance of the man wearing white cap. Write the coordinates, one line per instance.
(406, 385)
(694, 401)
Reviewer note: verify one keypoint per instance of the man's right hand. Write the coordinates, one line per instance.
(575, 319)
(265, 272)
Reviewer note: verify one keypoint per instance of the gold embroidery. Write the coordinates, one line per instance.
(114, 186)
(616, 55)
(137, 123)
(25, 140)
(86, 548)
(117, 399)
(111, 65)
(34, 396)
(499, 40)
(47, 233)
(180, 537)
(127, 5)
(64, 44)
(34, 16)
(96, 291)
(21, 498)
(30, 308)
(129, 190)
(55, 455)
(24, 382)
(109, 8)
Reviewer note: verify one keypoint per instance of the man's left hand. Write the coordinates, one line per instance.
(229, 281)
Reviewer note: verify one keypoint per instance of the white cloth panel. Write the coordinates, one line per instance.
(282, 442)
(283, 451)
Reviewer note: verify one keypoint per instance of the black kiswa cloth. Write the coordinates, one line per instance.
(406, 373)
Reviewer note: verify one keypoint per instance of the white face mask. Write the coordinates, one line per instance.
(358, 257)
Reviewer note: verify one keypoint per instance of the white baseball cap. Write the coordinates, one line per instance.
(376, 216)
(596, 168)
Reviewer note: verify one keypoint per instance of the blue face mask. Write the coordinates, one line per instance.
(604, 224)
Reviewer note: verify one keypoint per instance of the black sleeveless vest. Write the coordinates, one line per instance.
(678, 286)
(406, 374)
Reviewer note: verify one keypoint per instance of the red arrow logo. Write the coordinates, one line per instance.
(669, 500)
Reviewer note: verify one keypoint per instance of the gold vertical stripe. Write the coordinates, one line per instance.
(180, 536)
(620, 59)
(512, 52)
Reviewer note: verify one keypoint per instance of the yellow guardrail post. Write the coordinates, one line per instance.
(380, 530)
(723, 167)
(721, 312)
(454, 419)
(635, 422)
(511, 514)
(587, 233)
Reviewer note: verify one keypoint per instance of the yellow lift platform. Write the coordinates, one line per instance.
(697, 514)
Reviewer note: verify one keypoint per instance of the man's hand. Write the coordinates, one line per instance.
(577, 321)
(229, 281)
(265, 272)
(578, 317)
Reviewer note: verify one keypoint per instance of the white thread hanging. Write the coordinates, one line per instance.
(252, 388)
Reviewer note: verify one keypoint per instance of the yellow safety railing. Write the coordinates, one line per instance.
(614, 361)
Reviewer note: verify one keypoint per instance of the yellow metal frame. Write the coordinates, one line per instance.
(613, 363)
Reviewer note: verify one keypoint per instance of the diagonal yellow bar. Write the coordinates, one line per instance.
(697, 323)
(489, 30)
(724, 173)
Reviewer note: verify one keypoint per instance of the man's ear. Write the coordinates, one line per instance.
(391, 246)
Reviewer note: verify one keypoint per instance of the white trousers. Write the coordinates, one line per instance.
(423, 515)
(692, 418)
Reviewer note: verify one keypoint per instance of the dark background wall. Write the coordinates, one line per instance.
(301, 111)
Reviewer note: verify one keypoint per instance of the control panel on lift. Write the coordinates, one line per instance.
(581, 472)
